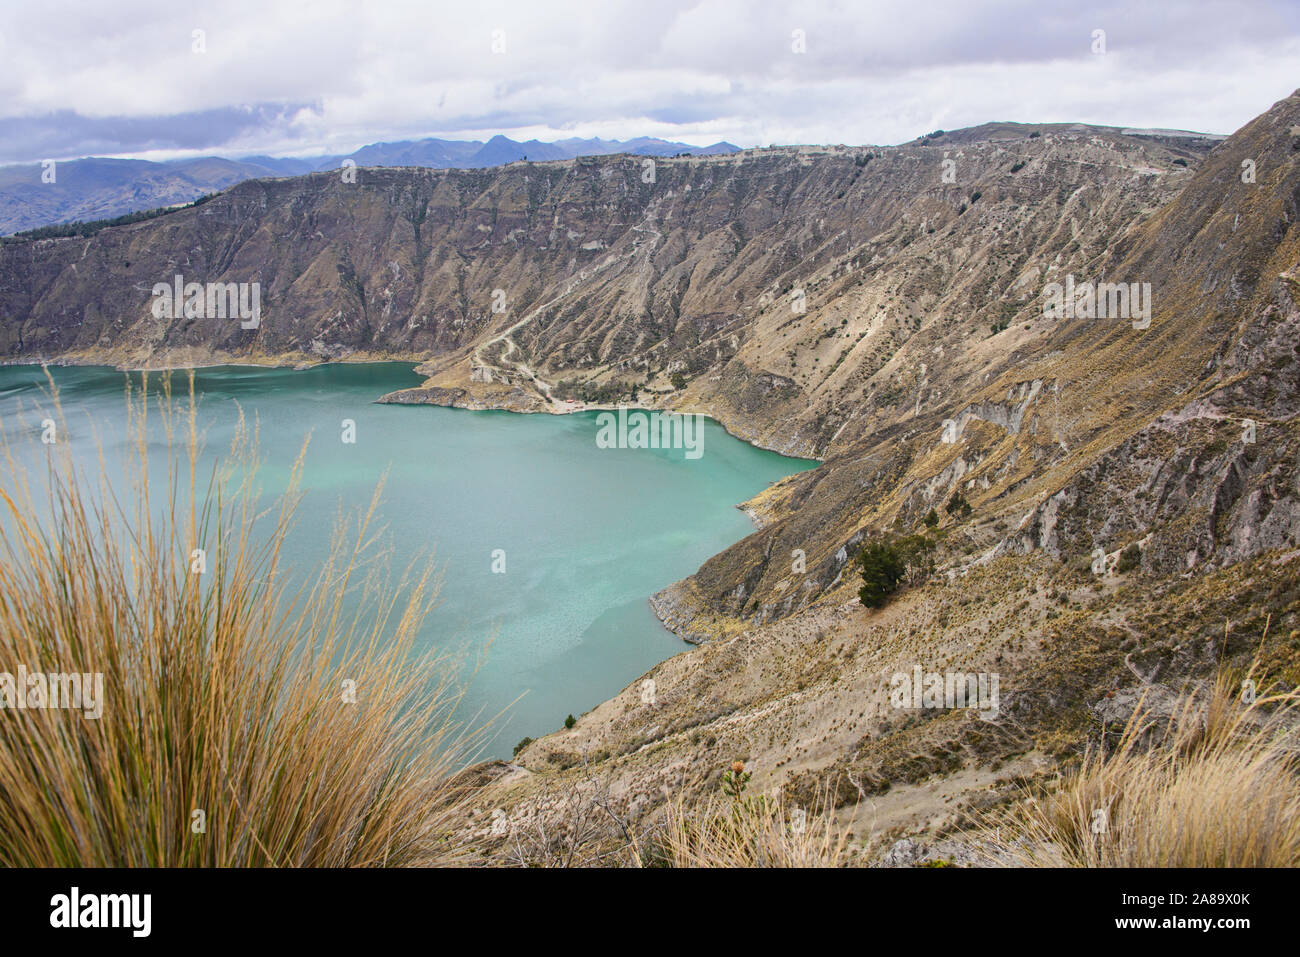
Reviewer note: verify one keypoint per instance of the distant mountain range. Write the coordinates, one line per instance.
(97, 188)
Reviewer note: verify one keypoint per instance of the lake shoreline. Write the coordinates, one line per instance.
(306, 366)
(594, 482)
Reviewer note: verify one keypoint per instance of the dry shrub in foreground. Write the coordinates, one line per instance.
(224, 692)
(747, 831)
(1220, 787)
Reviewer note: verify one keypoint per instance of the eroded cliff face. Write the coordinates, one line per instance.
(1072, 436)
(587, 272)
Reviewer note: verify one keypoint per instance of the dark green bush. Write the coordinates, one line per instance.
(958, 506)
(885, 562)
(1129, 559)
(882, 567)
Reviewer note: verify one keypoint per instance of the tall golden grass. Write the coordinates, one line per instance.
(749, 831)
(227, 737)
(1218, 786)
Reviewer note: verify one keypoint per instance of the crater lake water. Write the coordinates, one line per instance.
(588, 533)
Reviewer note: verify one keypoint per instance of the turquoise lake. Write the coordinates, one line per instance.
(589, 533)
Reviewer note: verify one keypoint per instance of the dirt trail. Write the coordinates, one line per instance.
(478, 359)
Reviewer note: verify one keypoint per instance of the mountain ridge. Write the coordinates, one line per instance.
(27, 202)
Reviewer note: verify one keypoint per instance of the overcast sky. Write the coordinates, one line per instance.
(296, 77)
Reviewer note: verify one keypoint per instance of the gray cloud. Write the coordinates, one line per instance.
(79, 77)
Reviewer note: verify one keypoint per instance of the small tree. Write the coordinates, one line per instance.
(678, 381)
(570, 721)
(882, 566)
(958, 506)
(931, 518)
(735, 779)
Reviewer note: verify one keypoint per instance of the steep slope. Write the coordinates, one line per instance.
(1074, 435)
(89, 189)
(1180, 439)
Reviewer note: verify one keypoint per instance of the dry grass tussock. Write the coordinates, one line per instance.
(746, 830)
(228, 734)
(1214, 783)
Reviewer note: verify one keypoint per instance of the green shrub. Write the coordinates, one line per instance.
(885, 562)
(735, 779)
(570, 721)
(1129, 559)
(958, 506)
(882, 568)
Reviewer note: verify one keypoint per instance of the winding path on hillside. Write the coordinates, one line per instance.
(477, 357)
